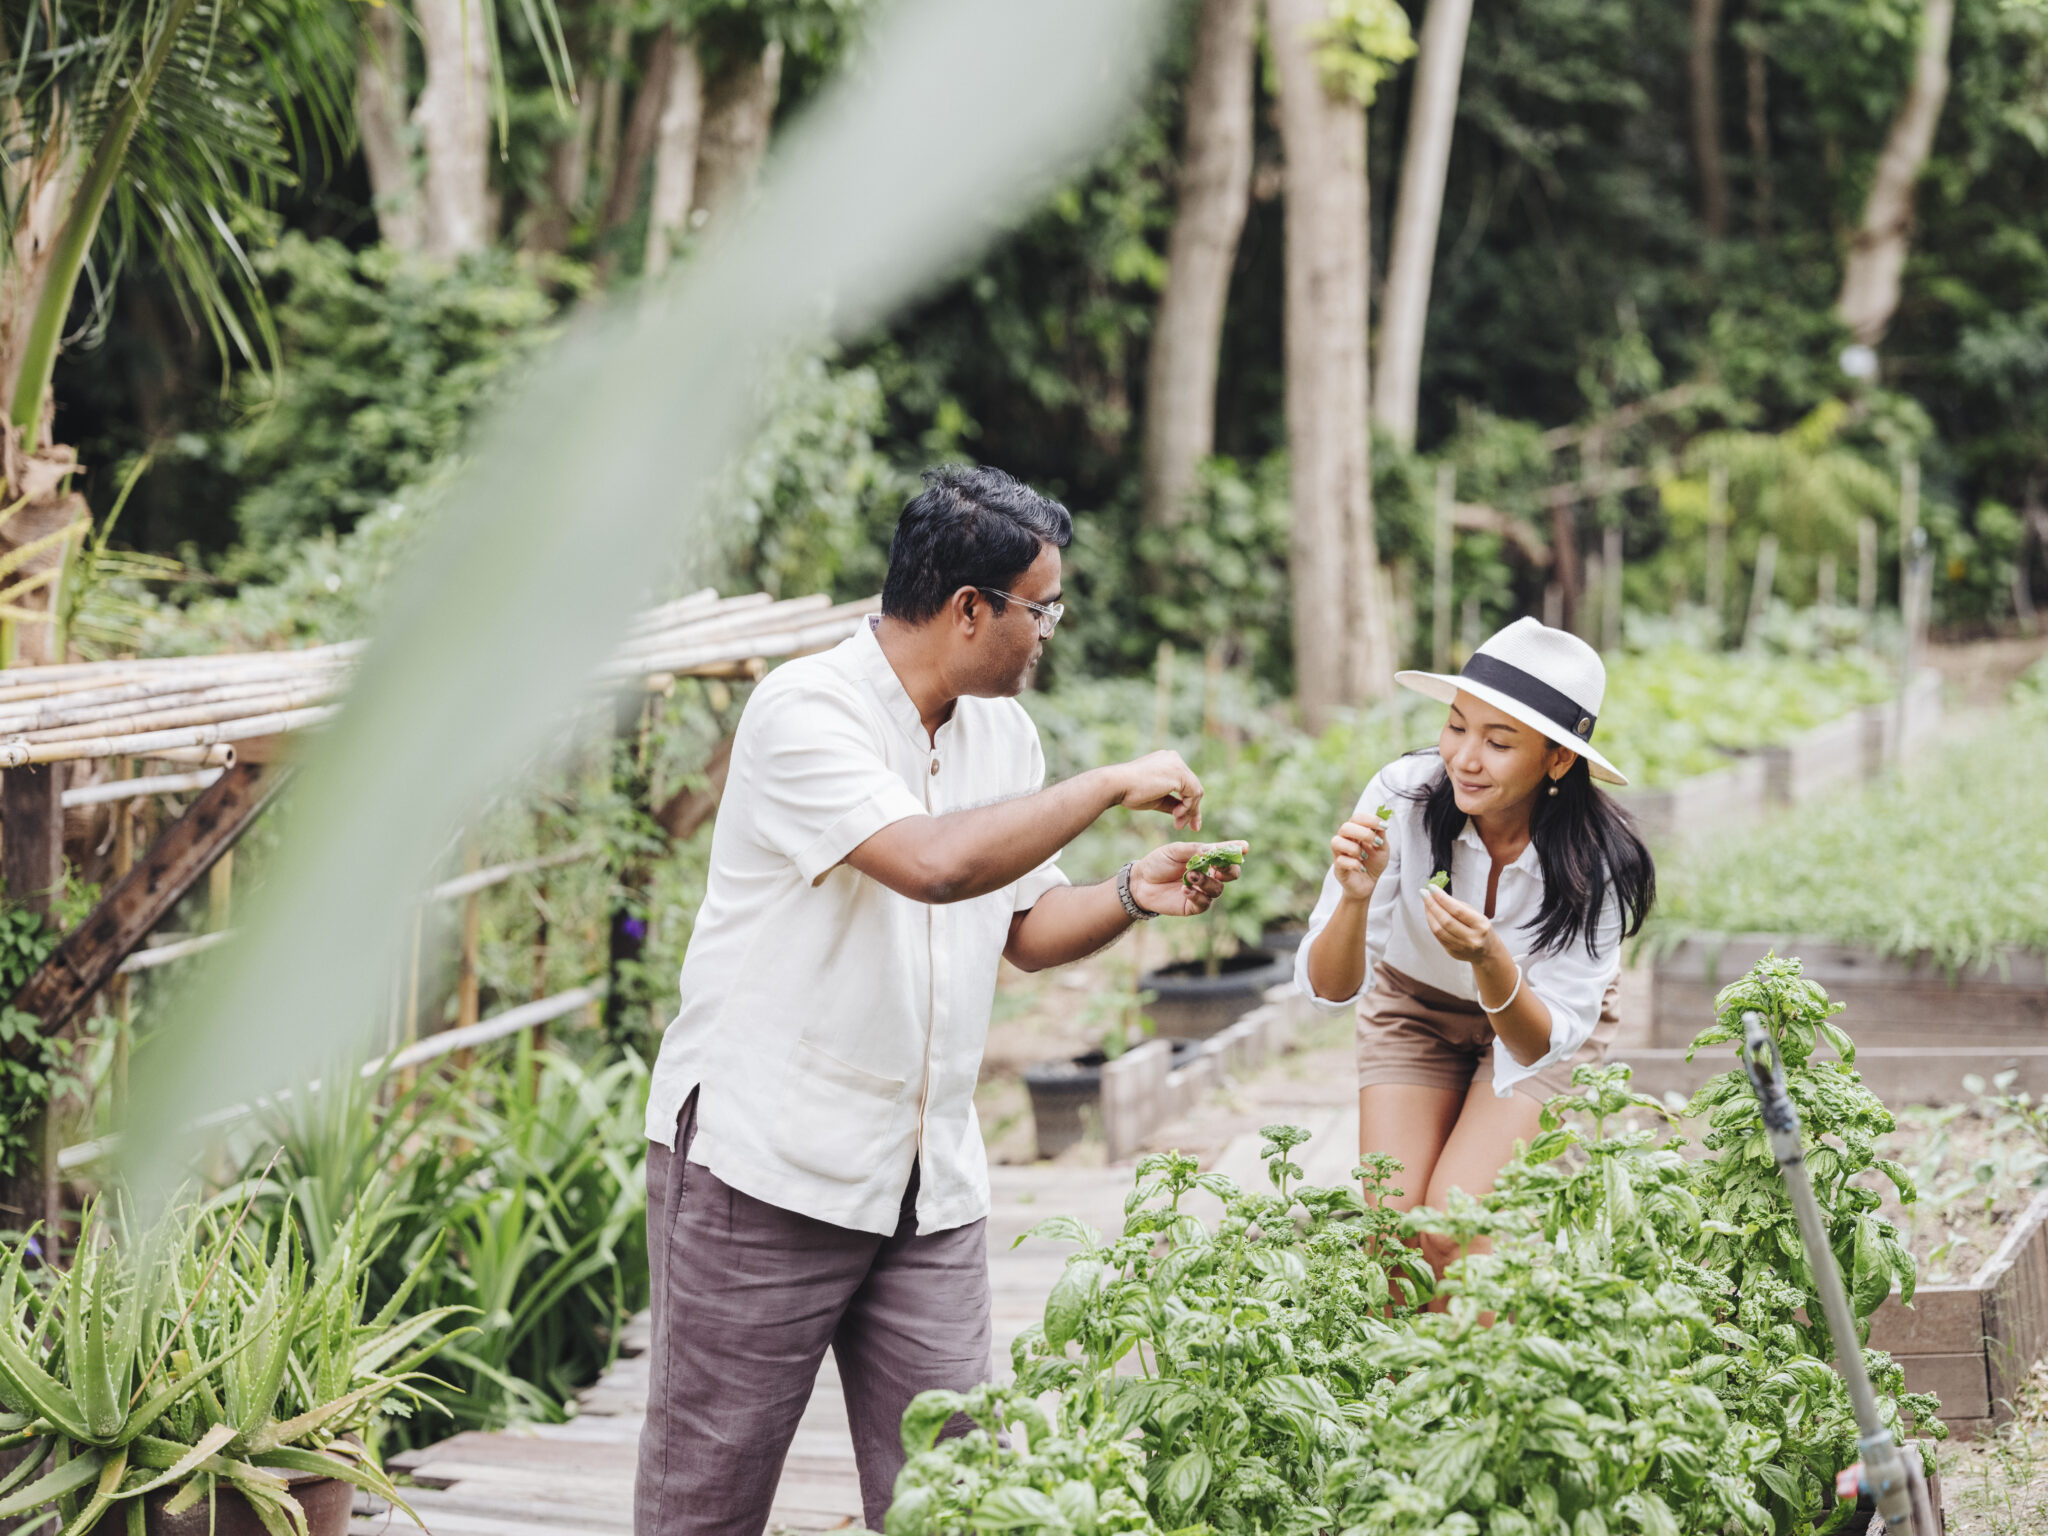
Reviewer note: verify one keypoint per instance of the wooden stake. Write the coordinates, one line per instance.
(1610, 599)
(220, 893)
(1866, 566)
(1760, 588)
(1717, 542)
(1440, 571)
(472, 929)
(1909, 524)
(1824, 581)
(124, 861)
(1162, 699)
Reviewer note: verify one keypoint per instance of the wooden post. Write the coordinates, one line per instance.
(1212, 690)
(1553, 605)
(1468, 627)
(1760, 588)
(1595, 590)
(124, 860)
(220, 893)
(1162, 696)
(1564, 549)
(1440, 574)
(32, 851)
(1909, 524)
(1610, 599)
(1717, 544)
(1824, 581)
(466, 966)
(1866, 566)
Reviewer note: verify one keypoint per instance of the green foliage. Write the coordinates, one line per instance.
(1361, 44)
(515, 1192)
(386, 362)
(199, 1355)
(37, 1069)
(1936, 862)
(1633, 1356)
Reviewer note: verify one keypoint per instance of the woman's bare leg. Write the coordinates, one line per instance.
(1478, 1147)
(1411, 1122)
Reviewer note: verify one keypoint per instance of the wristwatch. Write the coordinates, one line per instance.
(1137, 913)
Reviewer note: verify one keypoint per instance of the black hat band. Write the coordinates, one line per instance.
(1526, 688)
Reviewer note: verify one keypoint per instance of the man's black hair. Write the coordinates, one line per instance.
(968, 527)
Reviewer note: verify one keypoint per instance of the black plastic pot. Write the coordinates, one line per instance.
(1065, 1093)
(1283, 942)
(326, 1501)
(1194, 1006)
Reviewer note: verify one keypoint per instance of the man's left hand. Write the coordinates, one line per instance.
(1157, 884)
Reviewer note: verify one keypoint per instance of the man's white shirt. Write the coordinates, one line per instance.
(832, 1028)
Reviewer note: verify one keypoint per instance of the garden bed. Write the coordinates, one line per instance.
(1976, 1344)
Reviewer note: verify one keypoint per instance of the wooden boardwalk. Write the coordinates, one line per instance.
(575, 1478)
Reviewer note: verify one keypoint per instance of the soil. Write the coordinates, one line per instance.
(1997, 1485)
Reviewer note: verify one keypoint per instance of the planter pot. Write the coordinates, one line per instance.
(1281, 943)
(1193, 1006)
(1065, 1093)
(326, 1501)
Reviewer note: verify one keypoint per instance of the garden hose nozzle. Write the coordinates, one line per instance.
(1892, 1478)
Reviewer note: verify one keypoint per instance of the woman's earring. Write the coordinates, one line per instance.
(1553, 786)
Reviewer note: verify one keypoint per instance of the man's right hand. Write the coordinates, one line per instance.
(1160, 781)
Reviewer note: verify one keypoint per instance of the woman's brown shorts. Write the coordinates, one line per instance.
(1412, 1033)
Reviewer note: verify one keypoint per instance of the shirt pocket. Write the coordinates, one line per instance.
(837, 1120)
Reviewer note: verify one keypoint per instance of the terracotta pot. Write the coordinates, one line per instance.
(327, 1502)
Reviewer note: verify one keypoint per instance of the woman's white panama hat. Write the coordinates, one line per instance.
(1544, 677)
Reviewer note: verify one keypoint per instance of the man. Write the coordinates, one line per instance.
(818, 1176)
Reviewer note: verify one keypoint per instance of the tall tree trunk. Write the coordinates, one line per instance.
(453, 117)
(381, 107)
(1343, 645)
(1877, 251)
(675, 157)
(1425, 162)
(611, 110)
(1215, 187)
(739, 112)
(636, 145)
(1756, 78)
(1706, 116)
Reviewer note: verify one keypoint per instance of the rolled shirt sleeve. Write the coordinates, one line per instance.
(1379, 915)
(1573, 985)
(819, 785)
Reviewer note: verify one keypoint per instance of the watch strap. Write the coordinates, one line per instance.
(1136, 913)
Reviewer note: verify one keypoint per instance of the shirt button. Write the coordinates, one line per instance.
(935, 767)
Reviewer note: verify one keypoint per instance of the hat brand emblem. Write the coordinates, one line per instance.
(1585, 725)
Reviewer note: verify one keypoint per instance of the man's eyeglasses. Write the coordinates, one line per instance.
(1049, 614)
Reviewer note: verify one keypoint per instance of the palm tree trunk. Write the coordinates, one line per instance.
(739, 112)
(675, 157)
(381, 89)
(1343, 645)
(1425, 162)
(453, 117)
(1877, 251)
(1215, 187)
(1706, 116)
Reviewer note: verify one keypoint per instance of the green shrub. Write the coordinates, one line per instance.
(1635, 1355)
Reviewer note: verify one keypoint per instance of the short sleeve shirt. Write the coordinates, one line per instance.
(832, 1029)
(1571, 981)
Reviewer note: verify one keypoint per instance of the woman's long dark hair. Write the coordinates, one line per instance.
(1586, 844)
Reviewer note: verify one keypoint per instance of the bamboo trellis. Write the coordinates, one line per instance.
(178, 707)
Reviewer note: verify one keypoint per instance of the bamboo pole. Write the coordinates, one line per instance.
(498, 874)
(15, 754)
(124, 861)
(472, 932)
(124, 791)
(269, 701)
(164, 954)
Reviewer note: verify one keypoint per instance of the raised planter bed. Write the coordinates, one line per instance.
(1065, 1094)
(1893, 1002)
(1975, 1344)
(1857, 746)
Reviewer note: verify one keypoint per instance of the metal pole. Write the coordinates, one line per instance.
(1888, 1474)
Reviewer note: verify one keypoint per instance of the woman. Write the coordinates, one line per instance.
(1475, 1002)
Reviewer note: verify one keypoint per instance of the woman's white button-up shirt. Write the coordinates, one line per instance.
(832, 1028)
(1572, 982)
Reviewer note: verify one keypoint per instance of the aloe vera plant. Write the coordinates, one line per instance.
(194, 1356)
